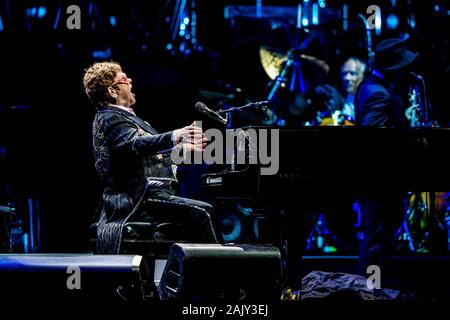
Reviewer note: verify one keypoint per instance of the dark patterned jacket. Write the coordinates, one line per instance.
(128, 152)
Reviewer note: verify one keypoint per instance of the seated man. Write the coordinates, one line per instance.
(133, 162)
(342, 103)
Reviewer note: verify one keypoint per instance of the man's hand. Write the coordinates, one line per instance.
(192, 138)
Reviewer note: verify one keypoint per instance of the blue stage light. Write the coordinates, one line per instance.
(315, 14)
(31, 12)
(41, 12)
(186, 20)
(169, 46)
(112, 21)
(392, 21)
(102, 54)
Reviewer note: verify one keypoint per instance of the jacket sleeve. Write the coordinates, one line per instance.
(123, 136)
(376, 112)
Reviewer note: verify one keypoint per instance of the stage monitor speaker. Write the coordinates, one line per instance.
(25, 277)
(214, 272)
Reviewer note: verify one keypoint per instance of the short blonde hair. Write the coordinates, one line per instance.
(98, 78)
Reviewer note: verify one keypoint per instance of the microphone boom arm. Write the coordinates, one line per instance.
(262, 104)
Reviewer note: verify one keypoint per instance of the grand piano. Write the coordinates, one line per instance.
(315, 162)
(355, 158)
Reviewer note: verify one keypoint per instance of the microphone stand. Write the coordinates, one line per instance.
(370, 53)
(262, 104)
(246, 136)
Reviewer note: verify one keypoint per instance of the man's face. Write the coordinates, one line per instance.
(121, 89)
(351, 76)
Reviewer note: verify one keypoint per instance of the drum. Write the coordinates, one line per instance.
(338, 118)
(425, 210)
(329, 121)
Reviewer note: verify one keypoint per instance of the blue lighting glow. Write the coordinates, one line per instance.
(322, 3)
(245, 210)
(112, 21)
(169, 46)
(182, 26)
(41, 12)
(186, 20)
(315, 14)
(305, 22)
(1, 24)
(58, 14)
(188, 36)
(377, 25)
(436, 8)
(392, 22)
(231, 228)
(102, 54)
(31, 12)
(182, 33)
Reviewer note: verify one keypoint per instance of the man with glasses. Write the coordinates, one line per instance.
(133, 162)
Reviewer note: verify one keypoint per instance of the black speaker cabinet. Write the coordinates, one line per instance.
(211, 272)
(26, 277)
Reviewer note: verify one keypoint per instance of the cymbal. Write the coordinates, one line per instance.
(273, 61)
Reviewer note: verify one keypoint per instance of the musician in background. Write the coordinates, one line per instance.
(351, 74)
(378, 104)
(134, 164)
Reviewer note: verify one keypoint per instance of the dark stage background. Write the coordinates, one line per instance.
(45, 117)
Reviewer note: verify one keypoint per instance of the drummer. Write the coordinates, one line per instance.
(340, 108)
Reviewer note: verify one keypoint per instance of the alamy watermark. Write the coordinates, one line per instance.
(74, 280)
(74, 19)
(374, 280)
(374, 20)
(236, 147)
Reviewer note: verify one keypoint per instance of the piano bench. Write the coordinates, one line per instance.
(152, 239)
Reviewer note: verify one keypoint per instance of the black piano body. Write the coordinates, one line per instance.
(335, 158)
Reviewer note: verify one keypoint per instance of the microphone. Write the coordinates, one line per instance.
(200, 106)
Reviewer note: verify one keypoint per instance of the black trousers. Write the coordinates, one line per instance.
(195, 216)
(382, 214)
